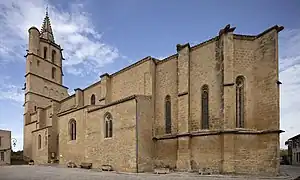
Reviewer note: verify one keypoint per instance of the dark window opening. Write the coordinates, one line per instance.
(53, 73)
(204, 106)
(108, 125)
(39, 142)
(45, 52)
(93, 99)
(240, 101)
(53, 56)
(72, 128)
(168, 115)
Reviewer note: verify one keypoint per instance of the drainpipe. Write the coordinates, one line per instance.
(136, 136)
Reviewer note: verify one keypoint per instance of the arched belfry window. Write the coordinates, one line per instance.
(72, 129)
(53, 73)
(53, 56)
(93, 99)
(108, 125)
(240, 100)
(39, 141)
(204, 107)
(168, 116)
(45, 52)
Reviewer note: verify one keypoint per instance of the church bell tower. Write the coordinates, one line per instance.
(43, 68)
(43, 77)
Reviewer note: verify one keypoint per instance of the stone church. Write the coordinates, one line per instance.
(213, 105)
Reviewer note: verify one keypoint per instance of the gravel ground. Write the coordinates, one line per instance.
(25, 172)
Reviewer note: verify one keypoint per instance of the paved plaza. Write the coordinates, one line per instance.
(25, 172)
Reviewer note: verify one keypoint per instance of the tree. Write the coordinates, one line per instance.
(283, 152)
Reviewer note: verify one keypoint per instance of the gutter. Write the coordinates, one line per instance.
(136, 137)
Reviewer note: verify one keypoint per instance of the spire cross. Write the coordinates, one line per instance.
(47, 10)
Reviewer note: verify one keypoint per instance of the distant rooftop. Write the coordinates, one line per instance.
(291, 139)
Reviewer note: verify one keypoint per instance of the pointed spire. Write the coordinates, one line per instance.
(46, 31)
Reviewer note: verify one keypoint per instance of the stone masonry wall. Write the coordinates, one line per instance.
(93, 90)
(206, 152)
(244, 64)
(145, 142)
(40, 156)
(130, 82)
(28, 139)
(5, 146)
(57, 60)
(118, 151)
(35, 101)
(166, 153)
(203, 71)
(266, 76)
(46, 88)
(48, 62)
(257, 154)
(166, 84)
(90, 144)
(67, 103)
(71, 150)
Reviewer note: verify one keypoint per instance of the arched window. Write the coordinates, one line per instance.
(53, 73)
(108, 125)
(45, 52)
(39, 141)
(168, 120)
(204, 106)
(72, 129)
(53, 56)
(240, 96)
(93, 99)
(46, 138)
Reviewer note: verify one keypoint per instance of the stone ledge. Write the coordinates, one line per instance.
(215, 132)
(41, 129)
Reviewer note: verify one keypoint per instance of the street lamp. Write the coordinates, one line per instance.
(14, 141)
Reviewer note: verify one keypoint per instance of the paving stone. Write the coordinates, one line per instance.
(25, 172)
